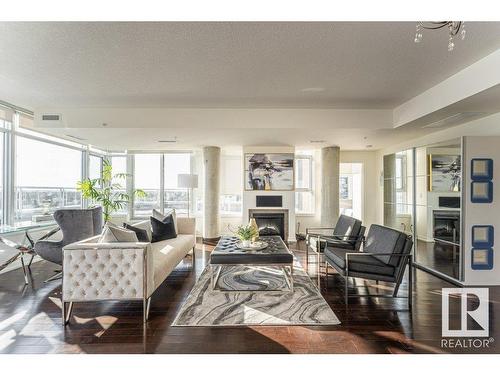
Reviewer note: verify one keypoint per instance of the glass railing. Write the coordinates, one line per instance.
(145, 205)
(35, 203)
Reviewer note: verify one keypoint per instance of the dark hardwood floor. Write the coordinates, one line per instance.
(30, 320)
(439, 256)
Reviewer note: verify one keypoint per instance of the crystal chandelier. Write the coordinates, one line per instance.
(454, 28)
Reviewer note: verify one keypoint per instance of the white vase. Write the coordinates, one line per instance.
(245, 243)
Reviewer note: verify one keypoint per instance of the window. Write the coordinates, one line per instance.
(304, 194)
(350, 189)
(231, 202)
(95, 167)
(119, 165)
(175, 197)
(46, 178)
(5, 124)
(402, 206)
(147, 178)
(2, 137)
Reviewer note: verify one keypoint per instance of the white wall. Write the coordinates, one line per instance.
(481, 213)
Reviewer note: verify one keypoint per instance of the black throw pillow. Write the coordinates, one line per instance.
(163, 230)
(142, 234)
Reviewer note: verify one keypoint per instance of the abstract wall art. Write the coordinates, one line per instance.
(444, 172)
(269, 171)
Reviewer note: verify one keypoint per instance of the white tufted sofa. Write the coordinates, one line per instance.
(95, 271)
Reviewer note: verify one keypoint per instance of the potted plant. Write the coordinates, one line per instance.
(106, 191)
(246, 233)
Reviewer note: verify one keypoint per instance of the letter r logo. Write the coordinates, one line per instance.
(478, 314)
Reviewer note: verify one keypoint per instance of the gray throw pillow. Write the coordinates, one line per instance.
(169, 211)
(113, 233)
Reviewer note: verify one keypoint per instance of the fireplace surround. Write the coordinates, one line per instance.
(271, 221)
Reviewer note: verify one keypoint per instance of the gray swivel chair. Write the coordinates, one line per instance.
(75, 225)
(348, 233)
(386, 253)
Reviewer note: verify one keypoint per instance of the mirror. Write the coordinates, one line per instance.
(438, 200)
(398, 191)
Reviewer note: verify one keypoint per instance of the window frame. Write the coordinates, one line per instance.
(12, 194)
(310, 189)
(240, 159)
(131, 184)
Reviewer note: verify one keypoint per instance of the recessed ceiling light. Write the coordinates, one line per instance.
(313, 89)
(369, 146)
(317, 141)
(104, 124)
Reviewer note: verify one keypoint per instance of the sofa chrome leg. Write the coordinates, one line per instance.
(66, 312)
(146, 303)
(55, 277)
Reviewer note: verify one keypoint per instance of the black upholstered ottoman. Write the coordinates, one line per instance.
(276, 254)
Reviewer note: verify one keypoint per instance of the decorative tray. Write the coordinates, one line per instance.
(257, 245)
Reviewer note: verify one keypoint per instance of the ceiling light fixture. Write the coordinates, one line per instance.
(454, 27)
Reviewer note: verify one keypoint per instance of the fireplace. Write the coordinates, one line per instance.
(447, 226)
(271, 222)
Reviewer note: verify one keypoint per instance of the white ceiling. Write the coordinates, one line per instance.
(95, 73)
(168, 64)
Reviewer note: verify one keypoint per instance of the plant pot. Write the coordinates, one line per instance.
(246, 243)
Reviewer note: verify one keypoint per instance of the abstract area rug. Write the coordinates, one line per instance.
(304, 306)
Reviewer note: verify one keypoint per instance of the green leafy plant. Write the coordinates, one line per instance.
(246, 232)
(106, 191)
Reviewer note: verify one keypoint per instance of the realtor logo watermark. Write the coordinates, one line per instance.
(473, 328)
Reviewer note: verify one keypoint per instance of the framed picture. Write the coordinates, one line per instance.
(483, 236)
(481, 169)
(482, 259)
(269, 171)
(444, 172)
(481, 192)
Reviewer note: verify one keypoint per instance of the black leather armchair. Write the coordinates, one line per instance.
(75, 225)
(348, 234)
(386, 253)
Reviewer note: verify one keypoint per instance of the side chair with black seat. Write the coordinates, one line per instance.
(386, 253)
(348, 233)
(75, 225)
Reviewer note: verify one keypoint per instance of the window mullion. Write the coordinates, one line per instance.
(130, 185)
(162, 183)
(85, 173)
